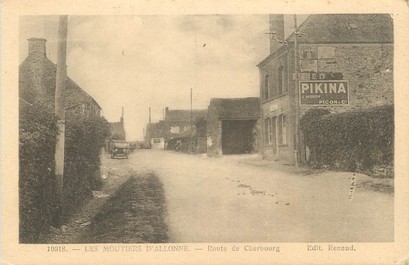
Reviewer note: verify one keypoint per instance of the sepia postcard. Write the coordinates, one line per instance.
(192, 132)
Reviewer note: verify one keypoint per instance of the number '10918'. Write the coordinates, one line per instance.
(56, 249)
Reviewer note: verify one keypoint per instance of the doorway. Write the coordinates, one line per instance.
(239, 137)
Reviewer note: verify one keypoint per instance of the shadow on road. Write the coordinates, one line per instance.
(134, 214)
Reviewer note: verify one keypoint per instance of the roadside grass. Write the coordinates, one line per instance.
(379, 186)
(134, 214)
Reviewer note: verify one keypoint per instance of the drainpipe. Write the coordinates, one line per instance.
(296, 61)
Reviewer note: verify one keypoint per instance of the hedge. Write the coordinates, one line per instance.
(37, 139)
(84, 139)
(360, 140)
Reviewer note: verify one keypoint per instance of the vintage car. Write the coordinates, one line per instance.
(120, 149)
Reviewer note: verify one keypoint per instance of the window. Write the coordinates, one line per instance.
(266, 131)
(308, 53)
(270, 130)
(269, 126)
(83, 108)
(282, 129)
(266, 88)
(280, 80)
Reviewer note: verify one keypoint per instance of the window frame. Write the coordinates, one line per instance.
(270, 130)
(266, 135)
(282, 129)
(280, 81)
(266, 87)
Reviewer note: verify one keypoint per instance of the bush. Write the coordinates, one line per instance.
(37, 139)
(354, 141)
(84, 140)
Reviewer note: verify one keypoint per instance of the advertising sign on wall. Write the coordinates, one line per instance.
(308, 65)
(324, 92)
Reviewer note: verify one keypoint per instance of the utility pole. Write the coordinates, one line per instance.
(296, 62)
(122, 119)
(60, 107)
(191, 119)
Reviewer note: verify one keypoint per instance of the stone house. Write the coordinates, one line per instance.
(180, 127)
(155, 135)
(118, 130)
(340, 62)
(37, 81)
(233, 126)
(118, 133)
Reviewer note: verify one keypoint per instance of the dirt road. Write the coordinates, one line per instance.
(222, 200)
(163, 196)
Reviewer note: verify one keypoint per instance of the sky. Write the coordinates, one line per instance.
(137, 62)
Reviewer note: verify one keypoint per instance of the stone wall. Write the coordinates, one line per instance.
(37, 80)
(368, 68)
(37, 83)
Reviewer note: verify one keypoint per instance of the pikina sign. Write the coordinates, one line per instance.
(324, 92)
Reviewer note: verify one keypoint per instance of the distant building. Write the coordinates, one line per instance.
(344, 62)
(37, 82)
(117, 133)
(118, 129)
(233, 126)
(155, 135)
(180, 127)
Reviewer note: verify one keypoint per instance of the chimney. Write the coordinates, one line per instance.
(277, 28)
(122, 116)
(166, 112)
(36, 47)
(150, 115)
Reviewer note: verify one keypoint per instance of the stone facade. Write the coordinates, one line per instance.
(178, 122)
(118, 130)
(357, 49)
(37, 82)
(155, 135)
(368, 68)
(239, 117)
